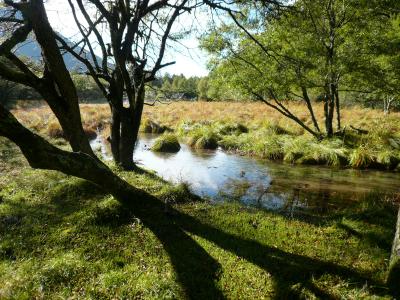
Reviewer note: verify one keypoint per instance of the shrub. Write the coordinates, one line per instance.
(166, 143)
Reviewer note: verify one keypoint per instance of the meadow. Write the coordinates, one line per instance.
(369, 139)
(62, 237)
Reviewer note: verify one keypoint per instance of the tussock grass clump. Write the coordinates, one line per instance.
(294, 149)
(166, 143)
(230, 128)
(302, 149)
(269, 146)
(274, 128)
(364, 157)
(328, 152)
(207, 141)
(149, 126)
(377, 149)
(203, 137)
(54, 130)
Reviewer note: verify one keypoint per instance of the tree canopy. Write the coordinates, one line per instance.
(305, 51)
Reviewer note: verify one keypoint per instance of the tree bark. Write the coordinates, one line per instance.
(338, 113)
(125, 120)
(115, 129)
(139, 104)
(127, 139)
(328, 113)
(56, 86)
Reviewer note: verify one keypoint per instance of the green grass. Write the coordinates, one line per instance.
(200, 136)
(62, 237)
(379, 149)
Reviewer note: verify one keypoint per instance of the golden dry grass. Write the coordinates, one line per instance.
(96, 117)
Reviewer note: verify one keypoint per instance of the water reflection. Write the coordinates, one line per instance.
(227, 177)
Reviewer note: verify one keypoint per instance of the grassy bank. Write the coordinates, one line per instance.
(61, 237)
(254, 129)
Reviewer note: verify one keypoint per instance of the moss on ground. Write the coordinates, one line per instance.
(61, 237)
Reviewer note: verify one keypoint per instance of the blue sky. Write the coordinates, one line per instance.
(190, 60)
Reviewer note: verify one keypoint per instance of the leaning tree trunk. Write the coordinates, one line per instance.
(43, 155)
(393, 280)
(310, 108)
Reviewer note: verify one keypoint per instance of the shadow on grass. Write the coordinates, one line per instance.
(197, 271)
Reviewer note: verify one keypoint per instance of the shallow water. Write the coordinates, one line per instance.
(222, 176)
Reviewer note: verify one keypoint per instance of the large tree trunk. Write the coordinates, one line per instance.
(123, 137)
(125, 126)
(127, 139)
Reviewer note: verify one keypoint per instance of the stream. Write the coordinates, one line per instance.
(221, 176)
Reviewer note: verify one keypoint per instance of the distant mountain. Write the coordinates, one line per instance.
(30, 48)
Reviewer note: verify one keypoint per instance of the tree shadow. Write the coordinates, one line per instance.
(287, 269)
(196, 270)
